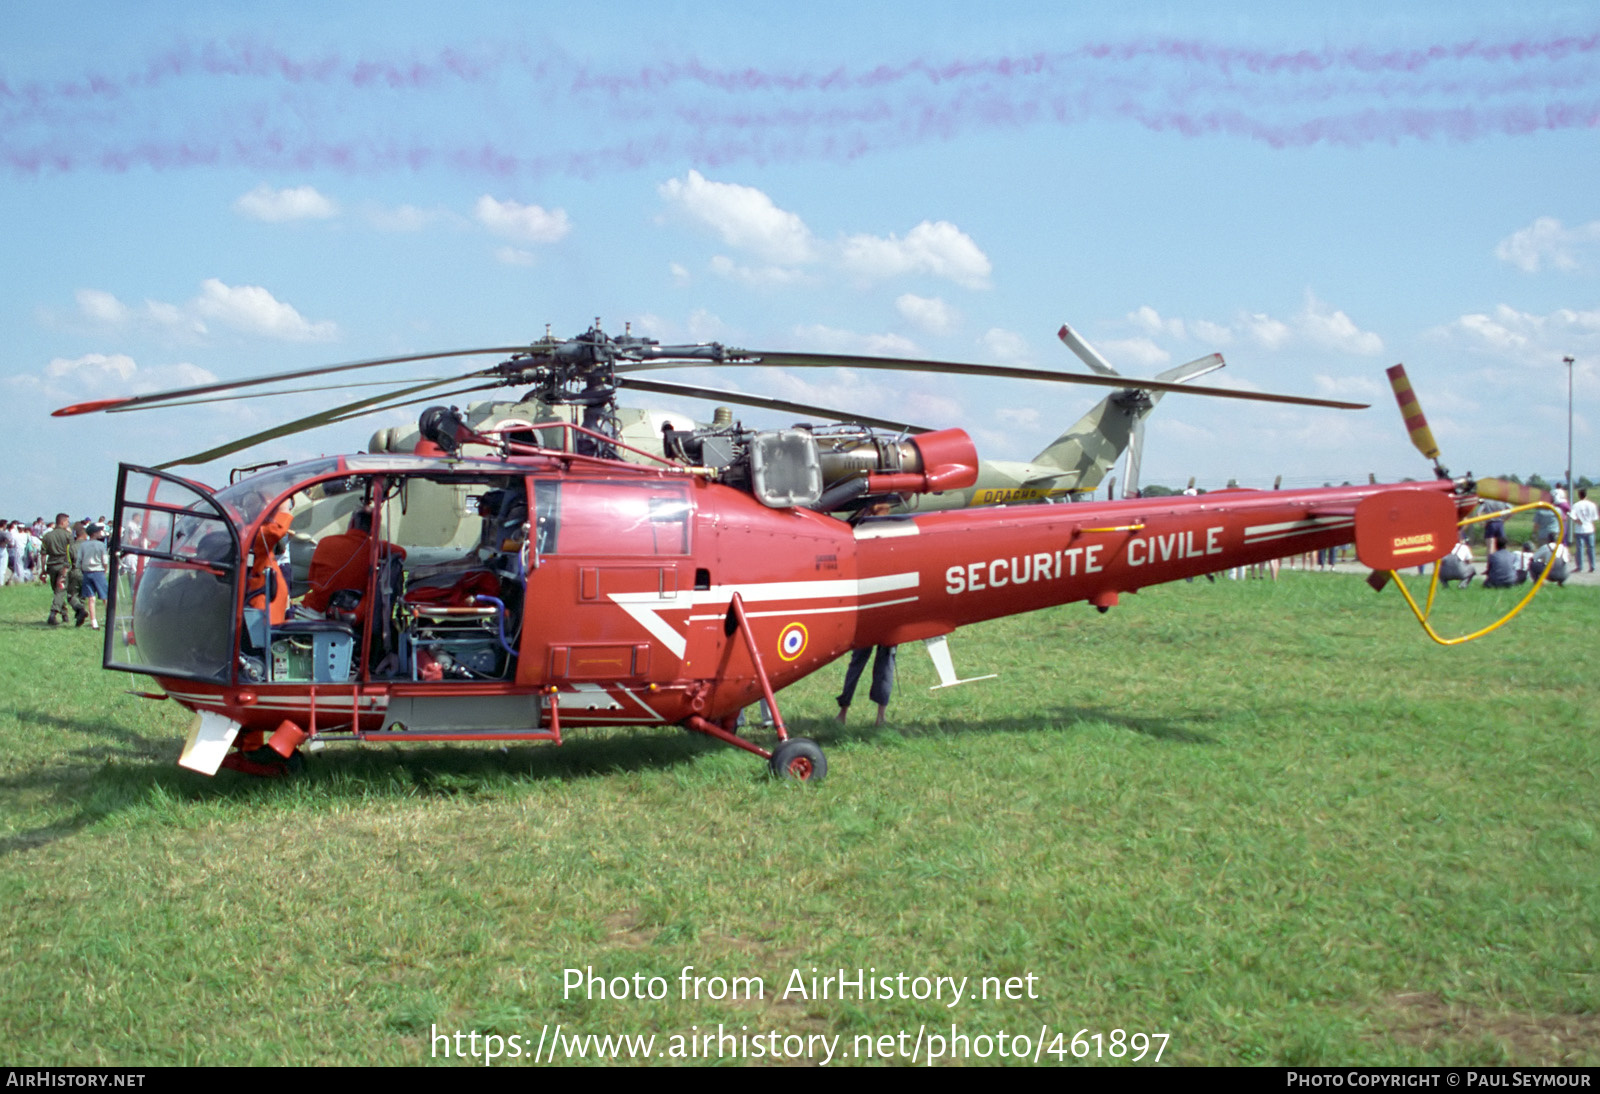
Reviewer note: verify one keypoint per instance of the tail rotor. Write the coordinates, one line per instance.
(1416, 421)
(1422, 437)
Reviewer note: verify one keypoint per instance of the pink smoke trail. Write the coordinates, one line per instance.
(763, 139)
(1460, 92)
(247, 58)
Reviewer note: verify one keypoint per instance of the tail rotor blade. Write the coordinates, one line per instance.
(1085, 352)
(1506, 490)
(1411, 411)
(1130, 485)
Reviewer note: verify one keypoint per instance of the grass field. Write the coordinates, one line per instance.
(1271, 821)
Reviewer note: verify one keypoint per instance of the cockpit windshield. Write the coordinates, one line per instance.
(248, 498)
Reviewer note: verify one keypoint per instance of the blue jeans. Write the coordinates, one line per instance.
(882, 674)
(1582, 541)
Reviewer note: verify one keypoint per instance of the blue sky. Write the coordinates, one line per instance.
(1315, 191)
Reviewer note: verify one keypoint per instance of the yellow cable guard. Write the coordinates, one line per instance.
(1433, 586)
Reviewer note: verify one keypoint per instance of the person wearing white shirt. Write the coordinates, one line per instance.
(1559, 569)
(1457, 565)
(1584, 514)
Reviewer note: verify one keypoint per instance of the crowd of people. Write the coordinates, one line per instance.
(69, 557)
(1506, 565)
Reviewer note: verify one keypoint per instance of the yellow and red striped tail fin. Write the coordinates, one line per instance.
(1411, 411)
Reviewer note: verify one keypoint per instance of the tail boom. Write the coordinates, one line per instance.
(982, 564)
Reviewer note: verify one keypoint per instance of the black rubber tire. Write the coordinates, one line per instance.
(801, 759)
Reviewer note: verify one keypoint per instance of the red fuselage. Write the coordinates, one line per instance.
(629, 620)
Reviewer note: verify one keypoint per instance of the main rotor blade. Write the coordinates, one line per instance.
(269, 394)
(430, 397)
(998, 372)
(717, 395)
(163, 398)
(299, 425)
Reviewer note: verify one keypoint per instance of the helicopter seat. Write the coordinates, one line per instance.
(457, 589)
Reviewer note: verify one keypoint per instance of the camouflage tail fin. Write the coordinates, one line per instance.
(1092, 445)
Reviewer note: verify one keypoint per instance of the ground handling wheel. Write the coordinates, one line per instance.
(799, 758)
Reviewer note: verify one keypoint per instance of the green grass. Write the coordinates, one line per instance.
(1270, 820)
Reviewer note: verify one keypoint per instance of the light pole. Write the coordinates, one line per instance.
(1568, 362)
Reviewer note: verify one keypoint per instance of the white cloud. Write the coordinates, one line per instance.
(1335, 330)
(742, 217)
(403, 218)
(821, 339)
(1505, 334)
(253, 310)
(1317, 325)
(850, 392)
(926, 407)
(746, 219)
(249, 309)
(1547, 242)
(1135, 351)
(101, 306)
(69, 379)
(1005, 347)
(524, 223)
(1149, 320)
(706, 327)
(723, 266)
(276, 206)
(1351, 388)
(1528, 339)
(651, 325)
(937, 248)
(1019, 417)
(172, 318)
(92, 369)
(1215, 334)
(513, 256)
(680, 273)
(1265, 331)
(929, 313)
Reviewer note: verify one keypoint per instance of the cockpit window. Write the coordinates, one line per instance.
(614, 518)
(174, 580)
(248, 498)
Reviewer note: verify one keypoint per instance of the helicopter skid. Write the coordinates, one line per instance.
(228, 721)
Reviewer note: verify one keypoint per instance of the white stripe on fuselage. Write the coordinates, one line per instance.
(1275, 531)
(646, 608)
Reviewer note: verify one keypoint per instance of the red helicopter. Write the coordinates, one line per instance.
(516, 586)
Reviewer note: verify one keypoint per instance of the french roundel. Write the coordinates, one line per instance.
(792, 641)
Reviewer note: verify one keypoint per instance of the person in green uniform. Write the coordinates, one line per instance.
(56, 546)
